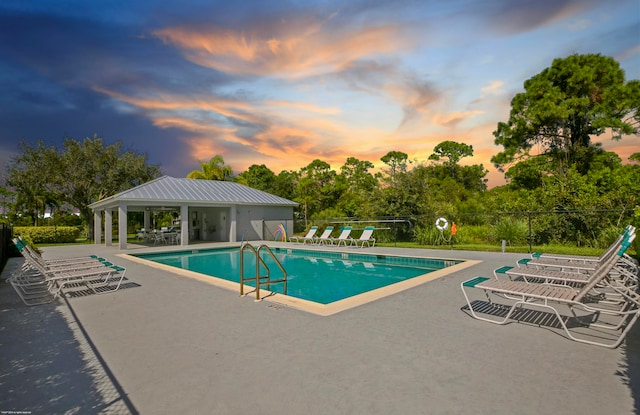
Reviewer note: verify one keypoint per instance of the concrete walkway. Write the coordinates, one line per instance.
(171, 344)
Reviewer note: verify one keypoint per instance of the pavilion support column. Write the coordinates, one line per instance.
(232, 224)
(147, 220)
(108, 227)
(97, 227)
(122, 226)
(184, 224)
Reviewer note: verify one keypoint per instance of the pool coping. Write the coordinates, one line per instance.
(311, 306)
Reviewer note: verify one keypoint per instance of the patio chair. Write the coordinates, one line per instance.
(551, 297)
(343, 238)
(365, 238)
(308, 237)
(325, 237)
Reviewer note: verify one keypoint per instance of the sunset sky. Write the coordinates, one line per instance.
(282, 83)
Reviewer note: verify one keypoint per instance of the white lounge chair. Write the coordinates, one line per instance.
(308, 237)
(325, 237)
(343, 238)
(39, 286)
(32, 257)
(39, 282)
(365, 238)
(27, 251)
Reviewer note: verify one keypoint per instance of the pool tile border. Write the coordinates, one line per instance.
(336, 306)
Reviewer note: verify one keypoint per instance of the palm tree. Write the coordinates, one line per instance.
(214, 169)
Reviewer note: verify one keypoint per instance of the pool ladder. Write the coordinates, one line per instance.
(260, 264)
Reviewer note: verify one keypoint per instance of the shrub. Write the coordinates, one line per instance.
(607, 237)
(48, 234)
(429, 235)
(472, 234)
(512, 230)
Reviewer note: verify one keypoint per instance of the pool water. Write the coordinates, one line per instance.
(321, 277)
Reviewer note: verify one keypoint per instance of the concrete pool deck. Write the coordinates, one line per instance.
(171, 344)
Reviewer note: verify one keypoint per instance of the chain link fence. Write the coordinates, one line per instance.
(582, 228)
(6, 233)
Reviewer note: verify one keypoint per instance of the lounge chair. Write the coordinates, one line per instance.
(584, 259)
(31, 254)
(575, 279)
(39, 281)
(555, 297)
(308, 237)
(325, 237)
(42, 286)
(35, 260)
(365, 238)
(343, 238)
(582, 263)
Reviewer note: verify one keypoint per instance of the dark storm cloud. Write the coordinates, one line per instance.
(51, 64)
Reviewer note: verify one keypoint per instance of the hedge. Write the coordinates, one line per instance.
(48, 234)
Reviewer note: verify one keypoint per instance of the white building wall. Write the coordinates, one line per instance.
(261, 222)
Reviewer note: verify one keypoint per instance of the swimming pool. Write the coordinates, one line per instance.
(313, 276)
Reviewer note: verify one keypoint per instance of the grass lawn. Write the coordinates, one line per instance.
(552, 249)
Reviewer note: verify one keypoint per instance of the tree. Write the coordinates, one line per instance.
(564, 105)
(30, 175)
(356, 184)
(400, 195)
(528, 174)
(258, 177)
(90, 171)
(7, 198)
(356, 173)
(315, 189)
(452, 151)
(397, 162)
(80, 174)
(214, 169)
(284, 184)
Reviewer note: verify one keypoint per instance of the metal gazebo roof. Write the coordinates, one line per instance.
(171, 190)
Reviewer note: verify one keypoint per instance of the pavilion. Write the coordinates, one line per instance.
(205, 210)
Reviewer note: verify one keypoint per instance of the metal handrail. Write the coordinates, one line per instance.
(260, 261)
(242, 278)
(268, 282)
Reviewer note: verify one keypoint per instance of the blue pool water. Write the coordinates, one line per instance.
(322, 277)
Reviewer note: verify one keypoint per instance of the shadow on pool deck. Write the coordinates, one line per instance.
(48, 364)
(175, 344)
(629, 367)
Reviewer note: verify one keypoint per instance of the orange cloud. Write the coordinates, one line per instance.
(303, 106)
(494, 88)
(296, 50)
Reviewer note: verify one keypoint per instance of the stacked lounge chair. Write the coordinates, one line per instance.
(580, 263)
(41, 281)
(602, 300)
